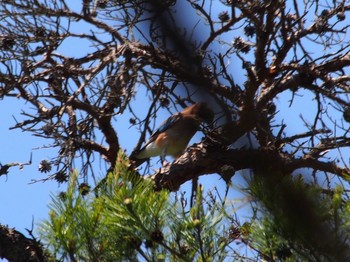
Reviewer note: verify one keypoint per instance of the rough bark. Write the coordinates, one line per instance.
(14, 246)
(204, 159)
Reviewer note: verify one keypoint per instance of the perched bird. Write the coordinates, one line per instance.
(172, 137)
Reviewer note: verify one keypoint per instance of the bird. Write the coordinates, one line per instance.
(174, 134)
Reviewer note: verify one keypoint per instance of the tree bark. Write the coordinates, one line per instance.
(14, 246)
(205, 158)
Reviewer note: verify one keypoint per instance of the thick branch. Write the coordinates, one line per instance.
(202, 159)
(14, 246)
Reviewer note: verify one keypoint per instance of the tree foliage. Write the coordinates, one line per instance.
(130, 221)
(275, 73)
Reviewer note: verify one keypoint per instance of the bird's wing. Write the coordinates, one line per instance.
(164, 127)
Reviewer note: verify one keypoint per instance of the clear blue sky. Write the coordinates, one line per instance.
(21, 202)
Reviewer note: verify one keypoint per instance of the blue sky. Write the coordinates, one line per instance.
(21, 202)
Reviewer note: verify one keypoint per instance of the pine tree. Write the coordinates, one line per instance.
(276, 75)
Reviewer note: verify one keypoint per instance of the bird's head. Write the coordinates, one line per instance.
(202, 111)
